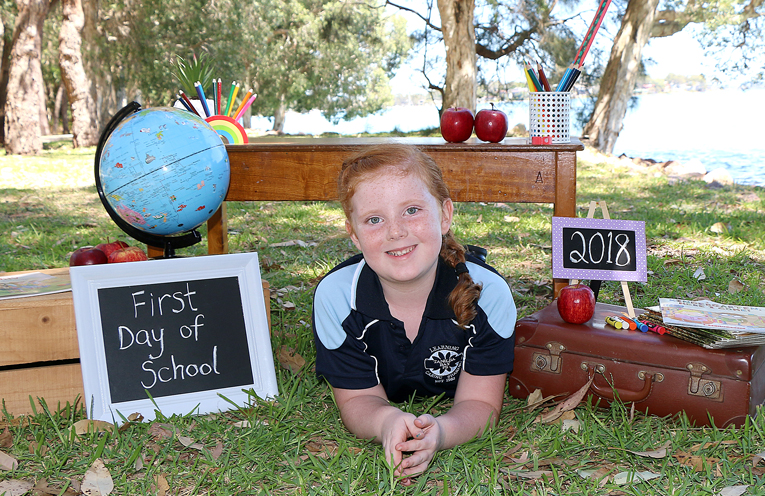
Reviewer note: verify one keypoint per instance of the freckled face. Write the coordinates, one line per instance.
(398, 224)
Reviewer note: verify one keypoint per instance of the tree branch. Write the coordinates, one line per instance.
(407, 9)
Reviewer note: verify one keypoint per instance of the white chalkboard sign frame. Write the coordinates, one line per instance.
(88, 280)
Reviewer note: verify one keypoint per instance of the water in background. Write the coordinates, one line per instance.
(721, 128)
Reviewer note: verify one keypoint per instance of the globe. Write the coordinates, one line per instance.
(161, 171)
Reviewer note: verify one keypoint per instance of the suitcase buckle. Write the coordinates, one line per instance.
(548, 362)
(705, 388)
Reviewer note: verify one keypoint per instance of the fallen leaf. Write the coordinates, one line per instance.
(292, 242)
(161, 431)
(97, 480)
(189, 442)
(160, 484)
(534, 397)
(217, 451)
(135, 417)
(511, 218)
(6, 439)
(15, 487)
(699, 274)
(719, 228)
(623, 478)
(672, 261)
(524, 474)
(479, 219)
(758, 458)
(242, 423)
(290, 359)
(138, 463)
(711, 444)
(7, 462)
(735, 286)
(698, 463)
(570, 424)
(87, 426)
(732, 490)
(568, 404)
(288, 305)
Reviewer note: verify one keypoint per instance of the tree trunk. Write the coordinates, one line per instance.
(620, 75)
(84, 120)
(60, 113)
(22, 109)
(5, 62)
(459, 39)
(279, 115)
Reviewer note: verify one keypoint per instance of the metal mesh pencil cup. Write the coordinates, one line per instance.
(549, 115)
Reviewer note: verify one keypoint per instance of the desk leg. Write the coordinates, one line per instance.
(565, 196)
(217, 232)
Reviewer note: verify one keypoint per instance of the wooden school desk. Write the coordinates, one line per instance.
(306, 169)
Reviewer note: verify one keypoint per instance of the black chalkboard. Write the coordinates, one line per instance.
(598, 249)
(176, 337)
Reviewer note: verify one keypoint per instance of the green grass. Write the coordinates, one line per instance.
(297, 444)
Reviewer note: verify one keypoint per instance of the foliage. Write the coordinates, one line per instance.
(199, 69)
(338, 56)
(297, 443)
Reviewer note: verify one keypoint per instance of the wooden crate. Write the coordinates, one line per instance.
(39, 352)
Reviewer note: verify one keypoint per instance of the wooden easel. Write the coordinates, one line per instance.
(625, 288)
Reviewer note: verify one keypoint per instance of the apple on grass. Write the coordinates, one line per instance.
(576, 303)
(128, 254)
(456, 124)
(491, 125)
(109, 248)
(87, 255)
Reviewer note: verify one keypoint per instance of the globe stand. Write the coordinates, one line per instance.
(168, 243)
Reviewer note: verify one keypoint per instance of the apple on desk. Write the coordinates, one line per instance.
(109, 248)
(87, 255)
(128, 254)
(456, 124)
(576, 303)
(491, 125)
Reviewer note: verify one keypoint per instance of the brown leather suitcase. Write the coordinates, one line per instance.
(661, 374)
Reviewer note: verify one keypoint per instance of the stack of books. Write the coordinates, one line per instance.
(709, 324)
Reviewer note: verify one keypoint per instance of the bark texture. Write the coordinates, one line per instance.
(24, 107)
(620, 75)
(84, 119)
(458, 30)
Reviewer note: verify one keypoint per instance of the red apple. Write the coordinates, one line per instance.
(456, 124)
(491, 125)
(576, 303)
(87, 255)
(109, 248)
(129, 254)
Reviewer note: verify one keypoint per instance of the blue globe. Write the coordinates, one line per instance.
(164, 171)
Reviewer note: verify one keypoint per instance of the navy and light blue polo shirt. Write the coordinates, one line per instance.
(359, 344)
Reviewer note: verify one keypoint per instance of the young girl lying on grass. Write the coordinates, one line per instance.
(411, 314)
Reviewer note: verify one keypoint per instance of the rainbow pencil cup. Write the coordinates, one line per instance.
(550, 116)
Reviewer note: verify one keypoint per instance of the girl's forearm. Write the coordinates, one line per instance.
(364, 415)
(466, 420)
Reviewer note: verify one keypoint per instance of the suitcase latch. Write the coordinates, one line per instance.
(548, 362)
(698, 386)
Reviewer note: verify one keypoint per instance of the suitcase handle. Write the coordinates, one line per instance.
(625, 396)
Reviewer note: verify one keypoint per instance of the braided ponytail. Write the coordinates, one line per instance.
(464, 296)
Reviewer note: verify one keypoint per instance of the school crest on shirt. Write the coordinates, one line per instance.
(444, 363)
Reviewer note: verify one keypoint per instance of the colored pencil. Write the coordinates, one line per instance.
(215, 96)
(529, 82)
(543, 77)
(575, 72)
(202, 97)
(241, 105)
(190, 105)
(246, 106)
(219, 96)
(534, 78)
(185, 105)
(230, 93)
(600, 14)
(231, 103)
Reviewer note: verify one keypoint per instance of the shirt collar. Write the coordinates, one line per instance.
(370, 299)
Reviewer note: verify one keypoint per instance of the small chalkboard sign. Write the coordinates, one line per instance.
(598, 249)
(180, 333)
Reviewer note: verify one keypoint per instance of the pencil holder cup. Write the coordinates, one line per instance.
(549, 116)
